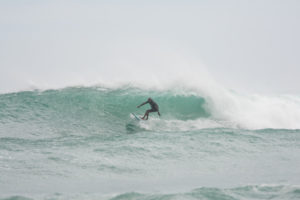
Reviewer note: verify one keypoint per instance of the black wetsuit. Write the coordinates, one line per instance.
(154, 106)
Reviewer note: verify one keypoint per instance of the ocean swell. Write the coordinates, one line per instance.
(94, 106)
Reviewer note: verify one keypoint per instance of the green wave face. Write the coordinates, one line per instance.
(117, 102)
(94, 108)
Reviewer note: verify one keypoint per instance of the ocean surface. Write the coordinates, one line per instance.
(83, 143)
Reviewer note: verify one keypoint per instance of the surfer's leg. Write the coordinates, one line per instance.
(146, 114)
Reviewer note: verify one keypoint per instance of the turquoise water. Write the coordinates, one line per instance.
(82, 143)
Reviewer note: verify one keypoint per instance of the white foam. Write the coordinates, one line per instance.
(259, 111)
(156, 124)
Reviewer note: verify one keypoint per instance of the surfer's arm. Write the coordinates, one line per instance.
(142, 104)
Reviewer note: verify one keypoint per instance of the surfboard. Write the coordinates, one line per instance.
(136, 117)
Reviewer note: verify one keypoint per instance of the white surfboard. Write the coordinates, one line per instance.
(136, 117)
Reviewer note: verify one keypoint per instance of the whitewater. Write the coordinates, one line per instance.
(81, 142)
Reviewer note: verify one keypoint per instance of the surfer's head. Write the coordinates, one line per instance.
(149, 99)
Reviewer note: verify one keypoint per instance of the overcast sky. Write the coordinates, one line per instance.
(251, 45)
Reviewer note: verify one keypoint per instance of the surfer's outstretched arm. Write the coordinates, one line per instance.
(142, 104)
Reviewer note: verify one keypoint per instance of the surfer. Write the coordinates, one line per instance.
(154, 108)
